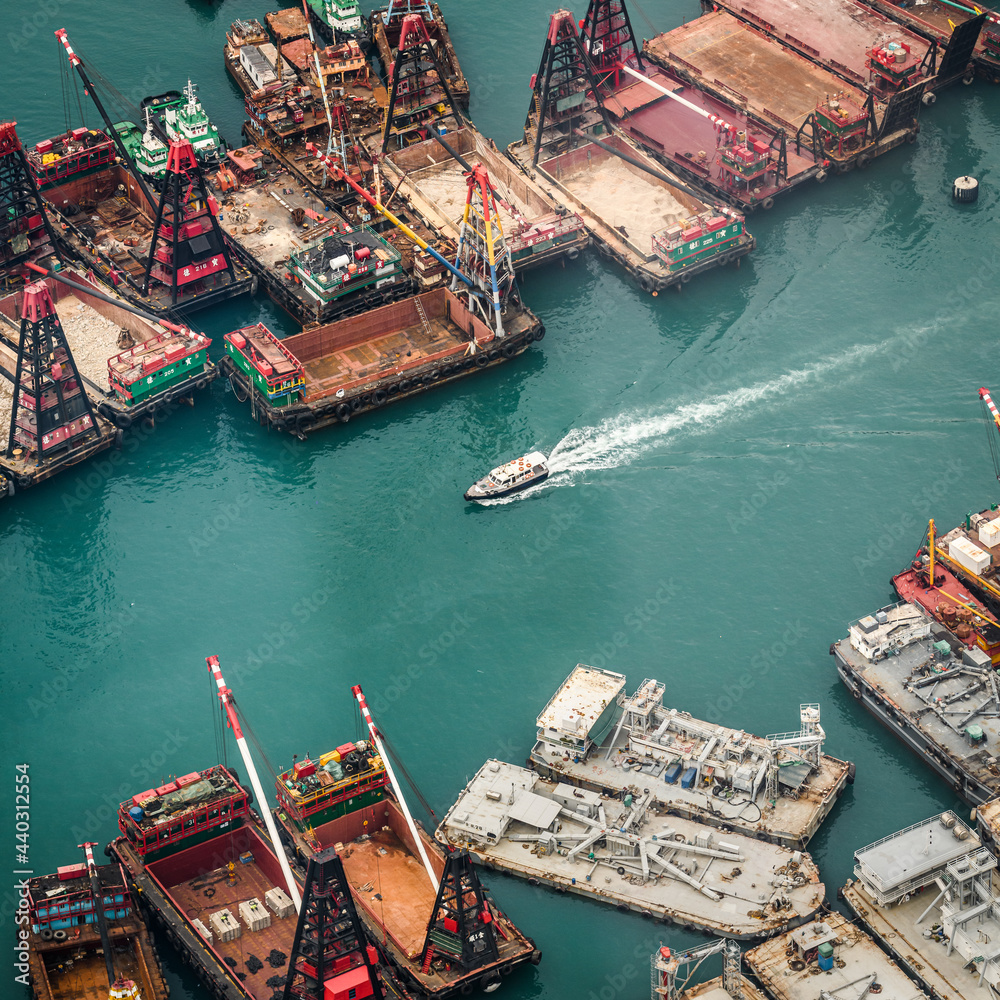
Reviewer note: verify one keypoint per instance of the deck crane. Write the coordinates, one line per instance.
(340, 174)
(666, 965)
(377, 740)
(77, 64)
(234, 724)
(806, 745)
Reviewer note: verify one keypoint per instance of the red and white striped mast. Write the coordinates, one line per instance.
(377, 740)
(234, 724)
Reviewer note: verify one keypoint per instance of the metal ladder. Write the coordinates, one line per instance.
(423, 316)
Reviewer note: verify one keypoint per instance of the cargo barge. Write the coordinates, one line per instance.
(386, 24)
(715, 145)
(927, 895)
(861, 45)
(400, 878)
(638, 214)
(363, 362)
(937, 693)
(624, 851)
(207, 874)
(778, 789)
(829, 957)
(740, 65)
(85, 936)
(427, 175)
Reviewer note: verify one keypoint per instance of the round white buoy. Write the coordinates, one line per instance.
(965, 189)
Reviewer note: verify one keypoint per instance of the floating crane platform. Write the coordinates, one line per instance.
(828, 958)
(626, 852)
(537, 228)
(898, 894)
(740, 65)
(936, 692)
(698, 770)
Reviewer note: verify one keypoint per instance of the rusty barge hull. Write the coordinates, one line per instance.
(622, 206)
(743, 67)
(433, 182)
(361, 363)
(686, 142)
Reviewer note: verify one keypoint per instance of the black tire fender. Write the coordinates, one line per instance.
(123, 421)
(494, 354)
(343, 412)
(303, 422)
(508, 350)
(482, 361)
(540, 332)
(405, 385)
(46, 934)
(767, 203)
(379, 396)
(863, 160)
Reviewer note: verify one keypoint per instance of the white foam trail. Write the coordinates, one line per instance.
(618, 440)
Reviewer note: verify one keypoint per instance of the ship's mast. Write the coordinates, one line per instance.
(234, 723)
(377, 740)
(102, 923)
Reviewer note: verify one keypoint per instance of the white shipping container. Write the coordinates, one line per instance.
(969, 555)
(989, 533)
(254, 915)
(203, 931)
(225, 926)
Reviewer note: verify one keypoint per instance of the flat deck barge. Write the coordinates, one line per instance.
(898, 896)
(692, 144)
(363, 362)
(624, 207)
(937, 693)
(828, 958)
(698, 770)
(742, 66)
(536, 227)
(625, 852)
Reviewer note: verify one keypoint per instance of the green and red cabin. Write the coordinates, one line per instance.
(275, 372)
(157, 364)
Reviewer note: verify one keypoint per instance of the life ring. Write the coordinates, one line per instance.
(46, 934)
(123, 421)
(344, 412)
(379, 396)
(767, 203)
(405, 385)
(508, 351)
(481, 361)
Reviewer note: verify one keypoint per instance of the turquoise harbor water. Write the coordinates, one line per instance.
(739, 469)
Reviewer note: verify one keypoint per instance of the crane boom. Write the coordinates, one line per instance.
(102, 921)
(340, 174)
(377, 740)
(234, 723)
(77, 64)
(994, 444)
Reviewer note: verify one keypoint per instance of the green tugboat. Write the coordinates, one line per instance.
(340, 20)
(183, 117)
(148, 151)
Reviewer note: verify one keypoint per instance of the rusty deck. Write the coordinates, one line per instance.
(742, 65)
(687, 141)
(206, 894)
(837, 34)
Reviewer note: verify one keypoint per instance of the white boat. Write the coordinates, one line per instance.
(516, 475)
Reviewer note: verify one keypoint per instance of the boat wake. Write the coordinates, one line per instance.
(619, 440)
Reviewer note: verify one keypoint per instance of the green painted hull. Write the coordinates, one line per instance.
(335, 811)
(166, 377)
(195, 838)
(276, 399)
